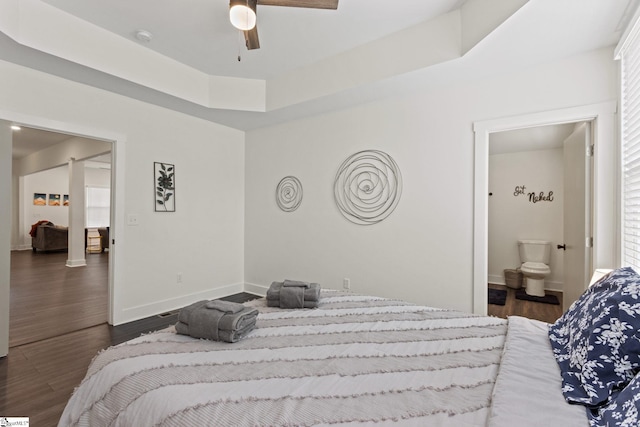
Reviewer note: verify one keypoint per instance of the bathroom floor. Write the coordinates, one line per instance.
(533, 310)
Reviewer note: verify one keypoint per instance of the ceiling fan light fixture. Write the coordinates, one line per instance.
(242, 14)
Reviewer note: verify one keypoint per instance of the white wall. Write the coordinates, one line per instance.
(423, 252)
(512, 218)
(97, 177)
(52, 181)
(203, 239)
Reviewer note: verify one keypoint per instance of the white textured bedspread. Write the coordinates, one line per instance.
(528, 390)
(356, 360)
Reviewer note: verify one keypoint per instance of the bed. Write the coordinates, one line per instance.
(356, 360)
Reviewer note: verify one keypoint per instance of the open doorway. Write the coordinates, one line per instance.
(539, 209)
(605, 252)
(49, 298)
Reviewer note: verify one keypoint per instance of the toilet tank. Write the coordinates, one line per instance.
(534, 251)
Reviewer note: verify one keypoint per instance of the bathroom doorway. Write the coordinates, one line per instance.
(604, 182)
(540, 189)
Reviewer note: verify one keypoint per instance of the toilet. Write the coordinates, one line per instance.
(534, 256)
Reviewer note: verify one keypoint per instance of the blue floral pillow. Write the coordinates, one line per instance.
(597, 341)
(623, 410)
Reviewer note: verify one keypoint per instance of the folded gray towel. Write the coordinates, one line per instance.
(292, 297)
(279, 295)
(296, 283)
(226, 336)
(225, 306)
(203, 323)
(204, 319)
(185, 312)
(307, 304)
(312, 293)
(238, 321)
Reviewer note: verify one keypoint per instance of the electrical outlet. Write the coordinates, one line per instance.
(132, 219)
(179, 278)
(346, 283)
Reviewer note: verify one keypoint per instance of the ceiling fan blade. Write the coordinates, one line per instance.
(314, 4)
(251, 38)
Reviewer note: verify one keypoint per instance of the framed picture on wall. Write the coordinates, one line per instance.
(65, 200)
(40, 199)
(54, 199)
(165, 187)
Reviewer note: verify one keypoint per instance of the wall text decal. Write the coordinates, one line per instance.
(533, 196)
(540, 197)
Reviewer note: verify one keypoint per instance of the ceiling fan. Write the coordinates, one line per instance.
(242, 14)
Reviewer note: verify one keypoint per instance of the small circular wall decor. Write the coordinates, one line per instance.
(289, 193)
(368, 186)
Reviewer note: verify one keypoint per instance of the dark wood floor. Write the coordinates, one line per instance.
(50, 299)
(533, 310)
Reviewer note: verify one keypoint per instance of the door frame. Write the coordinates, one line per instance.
(606, 250)
(117, 196)
(584, 160)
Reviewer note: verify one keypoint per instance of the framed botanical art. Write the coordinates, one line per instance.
(165, 188)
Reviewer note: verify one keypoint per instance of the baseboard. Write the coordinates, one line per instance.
(21, 248)
(76, 262)
(554, 286)
(254, 289)
(493, 279)
(131, 314)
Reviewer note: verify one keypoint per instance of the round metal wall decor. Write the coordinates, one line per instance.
(289, 193)
(368, 186)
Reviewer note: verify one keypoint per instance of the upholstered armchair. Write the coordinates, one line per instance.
(50, 238)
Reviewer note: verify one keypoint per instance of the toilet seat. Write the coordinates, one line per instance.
(535, 268)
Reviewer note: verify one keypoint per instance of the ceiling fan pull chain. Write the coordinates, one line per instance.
(240, 39)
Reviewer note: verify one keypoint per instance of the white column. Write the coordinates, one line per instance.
(76, 254)
(24, 223)
(15, 212)
(6, 141)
